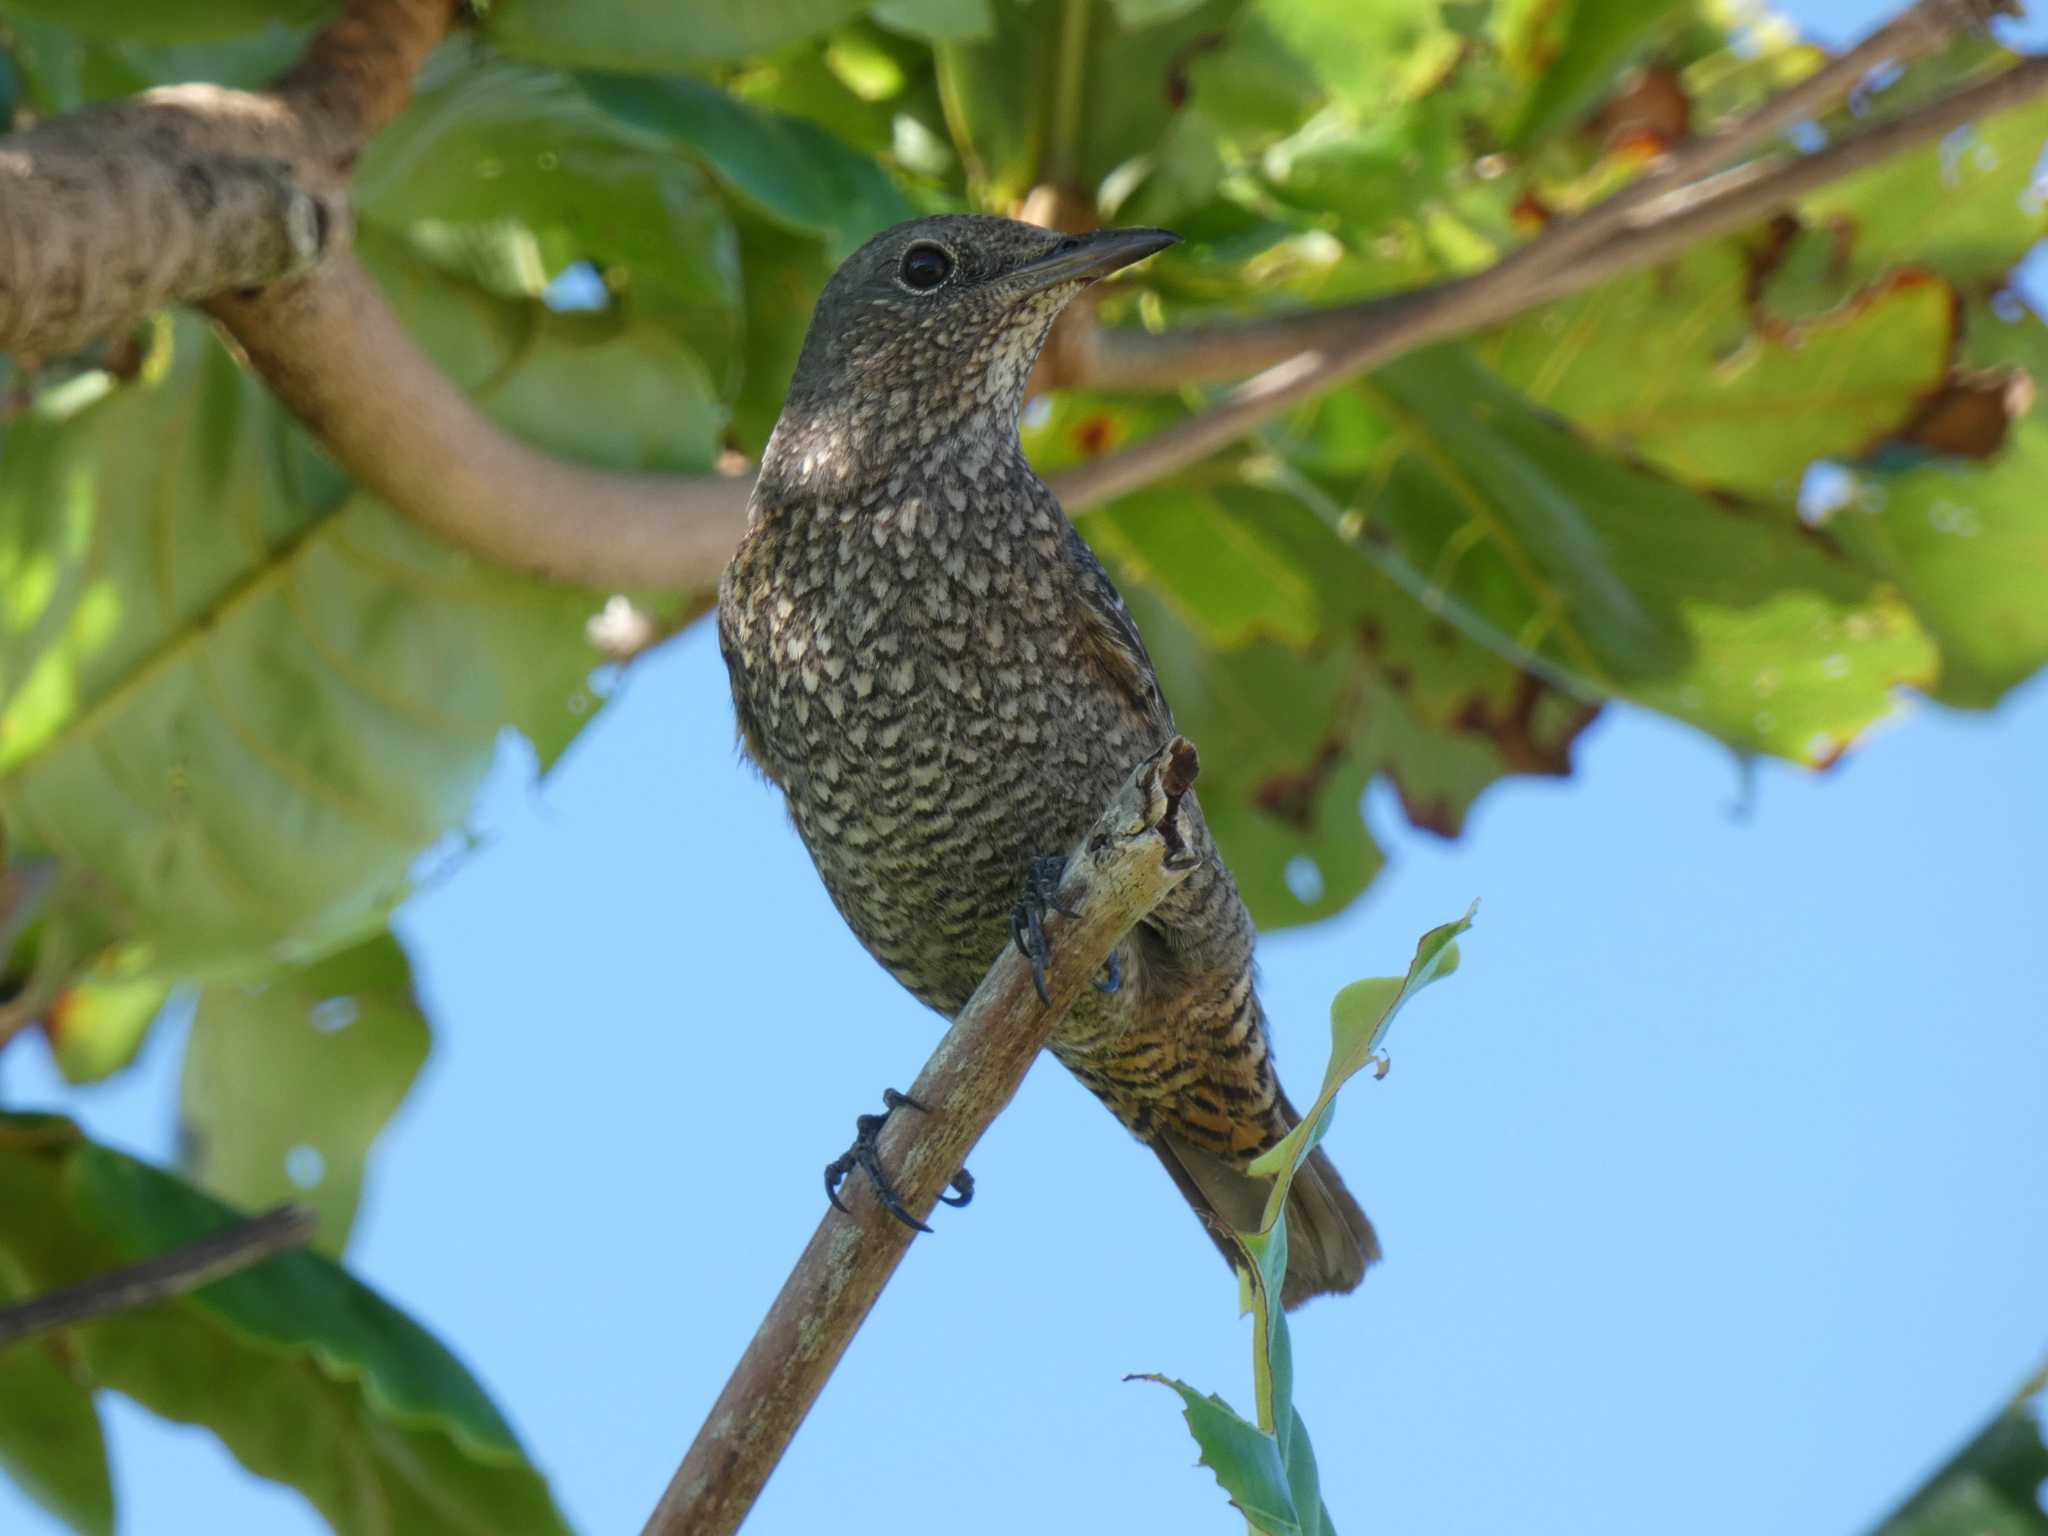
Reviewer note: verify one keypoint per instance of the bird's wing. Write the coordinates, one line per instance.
(1118, 647)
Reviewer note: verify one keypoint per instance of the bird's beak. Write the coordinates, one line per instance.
(1084, 258)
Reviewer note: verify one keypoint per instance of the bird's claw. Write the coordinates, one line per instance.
(1027, 923)
(1112, 975)
(864, 1154)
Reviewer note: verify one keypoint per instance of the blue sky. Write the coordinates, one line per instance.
(1711, 1186)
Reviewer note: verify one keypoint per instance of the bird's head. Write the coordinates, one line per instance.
(933, 326)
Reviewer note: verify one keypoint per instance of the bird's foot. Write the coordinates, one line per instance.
(1027, 924)
(864, 1155)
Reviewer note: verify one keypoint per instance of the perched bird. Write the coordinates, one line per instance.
(937, 672)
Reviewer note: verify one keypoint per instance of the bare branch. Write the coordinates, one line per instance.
(1362, 341)
(335, 353)
(1135, 853)
(186, 1268)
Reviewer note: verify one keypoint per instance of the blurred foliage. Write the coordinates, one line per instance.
(1760, 489)
(1994, 1486)
(306, 1375)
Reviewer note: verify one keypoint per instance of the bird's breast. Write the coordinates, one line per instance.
(918, 684)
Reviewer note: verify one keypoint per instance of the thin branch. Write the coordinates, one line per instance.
(164, 1275)
(1135, 853)
(1403, 324)
(333, 350)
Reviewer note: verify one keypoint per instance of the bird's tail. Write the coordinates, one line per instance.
(1330, 1242)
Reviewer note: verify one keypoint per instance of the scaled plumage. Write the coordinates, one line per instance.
(934, 668)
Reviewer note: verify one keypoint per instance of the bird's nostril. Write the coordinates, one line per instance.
(1071, 243)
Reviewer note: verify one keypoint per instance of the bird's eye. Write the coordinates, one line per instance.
(925, 266)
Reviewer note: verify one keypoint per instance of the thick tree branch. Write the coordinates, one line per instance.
(1135, 853)
(332, 349)
(1371, 336)
(161, 1276)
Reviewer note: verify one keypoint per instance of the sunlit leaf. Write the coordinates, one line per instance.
(289, 1082)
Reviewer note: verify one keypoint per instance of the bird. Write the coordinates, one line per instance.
(935, 669)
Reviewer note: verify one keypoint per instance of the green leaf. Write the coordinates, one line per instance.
(1732, 618)
(1129, 88)
(1968, 547)
(654, 36)
(1572, 53)
(1360, 1016)
(789, 170)
(1245, 1459)
(1967, 540)
(288, 1083)
(1307, 681)
(169, 21)
(1992, 1486)
(1987, 182)
(937, 20)
(492, 141)
(212, 640)
(308, 1377)
(1731, 404)
(51, 1443)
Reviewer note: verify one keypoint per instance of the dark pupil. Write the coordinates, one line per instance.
(925, 266)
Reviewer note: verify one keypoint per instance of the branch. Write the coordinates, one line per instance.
(332, 350)
(186, 1268)
(1135, 853)
(1371, 336)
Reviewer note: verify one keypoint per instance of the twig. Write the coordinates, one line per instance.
(1120, 871)
(1413, 320)
(164, 1275)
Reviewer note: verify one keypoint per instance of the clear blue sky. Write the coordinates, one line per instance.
(1712, 1186)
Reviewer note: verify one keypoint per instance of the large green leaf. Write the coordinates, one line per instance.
(1732, 404)
(654, 36)
(1986, 184)
(51, 1443)
(1577, 566)
(493, 142)
(169, 21)
(1302, 667)
(789, 170)
(213, 646)
(288, 1084)
(1127, 82)
(309, 1377)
